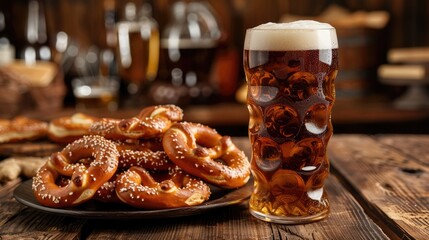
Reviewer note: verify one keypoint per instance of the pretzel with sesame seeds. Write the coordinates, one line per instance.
(151, 122)
(138, 188)
(202, 152)
(88, 162)
(147, 154)
(21, 129)
(70, 128)
(107, 192)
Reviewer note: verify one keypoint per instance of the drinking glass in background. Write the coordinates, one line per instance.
(96, 92)
(290, 70)
(138, 50)
(188, 48)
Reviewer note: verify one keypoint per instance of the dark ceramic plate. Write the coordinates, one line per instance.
(219, 198)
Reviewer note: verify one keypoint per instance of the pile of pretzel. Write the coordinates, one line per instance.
(152, 161)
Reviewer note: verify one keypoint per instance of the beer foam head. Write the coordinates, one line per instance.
(298, 35)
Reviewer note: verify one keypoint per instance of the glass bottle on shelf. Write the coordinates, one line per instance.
(7, 50)
(36, 37)
(108, 41)
(188, 47)
(138, 50)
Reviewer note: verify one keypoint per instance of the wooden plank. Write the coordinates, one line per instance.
(7, 188)
(8, 208)
(391, 183)
(347, 219)
(415, 146)
(33, 149)
(20, 222)
(29, 224)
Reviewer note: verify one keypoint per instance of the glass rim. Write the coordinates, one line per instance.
(292, 29)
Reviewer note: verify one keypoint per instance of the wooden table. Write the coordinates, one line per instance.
(378, 189)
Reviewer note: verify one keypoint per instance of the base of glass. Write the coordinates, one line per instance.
(289, 219)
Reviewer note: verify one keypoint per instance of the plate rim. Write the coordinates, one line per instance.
(24, 195)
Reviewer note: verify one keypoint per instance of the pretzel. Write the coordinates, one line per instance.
(100, 164)
(151, 122)
(70, 128)
(107, 192)
(202, 152)
(138, 188)
(145, 154)
(21, 129)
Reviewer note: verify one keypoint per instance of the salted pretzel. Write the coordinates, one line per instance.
(202, 152)
(146, 154)
(21, 129)
(138, 188)
(70, 128)
(100, 164)
(107, 192)
(151, 122)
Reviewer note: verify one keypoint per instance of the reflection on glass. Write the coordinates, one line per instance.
(188, 45)
(138, 47)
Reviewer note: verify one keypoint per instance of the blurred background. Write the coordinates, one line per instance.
(77, 54)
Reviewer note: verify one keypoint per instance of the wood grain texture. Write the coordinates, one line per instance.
(20, 222)
(391, 175)
(347, 219)
(33, 149)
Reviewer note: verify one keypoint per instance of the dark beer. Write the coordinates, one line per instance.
(290, 75)
(186, 78)
(188, 48)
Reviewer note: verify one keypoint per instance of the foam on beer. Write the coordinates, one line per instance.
(298, 35)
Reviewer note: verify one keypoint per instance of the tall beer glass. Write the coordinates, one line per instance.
(138, 51)
(290, 71)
